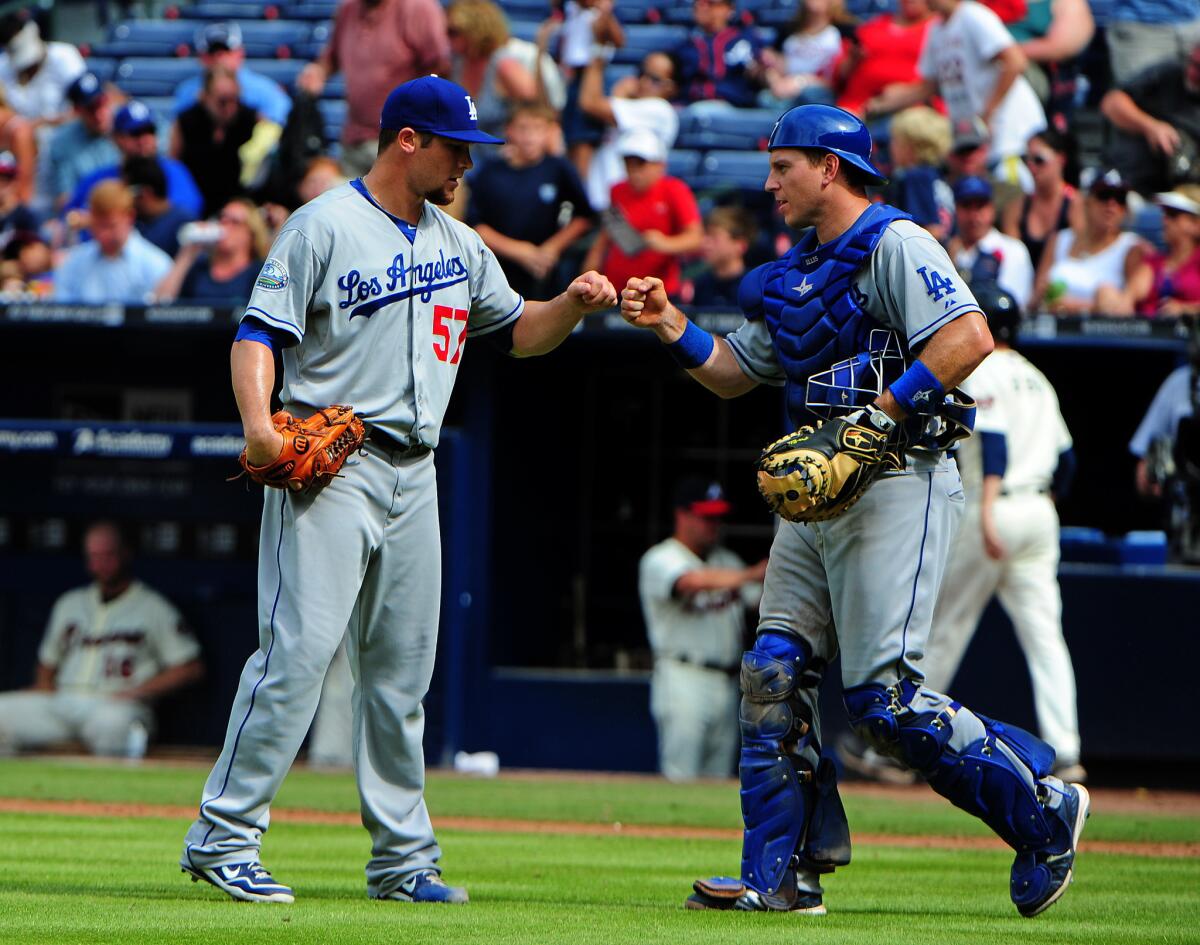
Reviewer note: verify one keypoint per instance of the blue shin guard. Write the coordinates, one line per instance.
(792, 812)
(987, 768)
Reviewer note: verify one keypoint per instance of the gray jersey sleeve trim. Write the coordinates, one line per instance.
(747, 367)
(268, 317)
(959, 310)
(499, 323)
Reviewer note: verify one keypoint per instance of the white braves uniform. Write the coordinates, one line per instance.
(1017, 402)
(697, 642)
(381, 322)
(98, 649)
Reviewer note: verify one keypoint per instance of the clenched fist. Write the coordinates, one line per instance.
(592, 292)
(644, 303)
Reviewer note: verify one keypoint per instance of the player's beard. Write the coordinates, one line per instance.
(441, 197)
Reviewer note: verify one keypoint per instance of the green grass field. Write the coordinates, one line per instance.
(98, 879)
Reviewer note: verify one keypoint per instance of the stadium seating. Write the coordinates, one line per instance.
(319, 10)
(148, 38)
(684, 164)
(102, 68)
(232, 10)
(733, 129)
(647, 38)
(334, 113)
(733, 170)
(145, 76)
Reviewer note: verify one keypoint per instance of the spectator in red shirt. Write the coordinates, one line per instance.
(884, 51)
(376, 45)
(653, 218)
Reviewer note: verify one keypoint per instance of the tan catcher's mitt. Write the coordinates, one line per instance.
(816, 473)
(313, 449)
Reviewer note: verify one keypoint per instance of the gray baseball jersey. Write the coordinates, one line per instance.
(381, 312)
(344, 280)
(908, 284)
(894, 541)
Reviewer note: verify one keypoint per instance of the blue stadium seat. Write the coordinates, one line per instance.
(649, 37)
(867, 9)
(147, 38)
(524, 29)
(733, 170)
(265, 39)
(283, 71)
(335, 87)
(614, 72)
(102, 68)
(734, 128)
(684, 164)
(629, 12)
(1148, 224)
(525, 9)
(229, 9)
(162, 107)
(334, 113)
(320, 10)
(149, 76)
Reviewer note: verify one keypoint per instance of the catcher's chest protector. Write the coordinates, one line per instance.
(812, 309)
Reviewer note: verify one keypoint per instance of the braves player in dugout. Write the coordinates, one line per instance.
(371, 291)
(857, 576)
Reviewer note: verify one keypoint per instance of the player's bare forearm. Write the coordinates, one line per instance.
(950, 355)
(175, 677)
(543, 326)
(44, 677)
(252, 366)
(713, 579)
(644, 304)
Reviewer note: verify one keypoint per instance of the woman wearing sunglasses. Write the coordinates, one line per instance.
(1053, 204)
(218, 265)
(1089, 269)
(1169, 283)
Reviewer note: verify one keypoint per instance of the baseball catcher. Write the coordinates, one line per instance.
(313, 449)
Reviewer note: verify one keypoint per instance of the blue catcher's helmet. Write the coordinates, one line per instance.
(827, 128)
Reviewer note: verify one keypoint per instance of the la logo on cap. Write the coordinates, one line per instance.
(473, 114)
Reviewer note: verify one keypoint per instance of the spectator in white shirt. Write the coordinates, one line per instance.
(980, 251)
(972, 61)
(36, 74)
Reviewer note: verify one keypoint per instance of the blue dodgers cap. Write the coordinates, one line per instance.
(132, 119)
(972, 188)
(85, 90)
(437, 106)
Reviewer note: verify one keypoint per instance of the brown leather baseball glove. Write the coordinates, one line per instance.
(313, 449)
(816, 473)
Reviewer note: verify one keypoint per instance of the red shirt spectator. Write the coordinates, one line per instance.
(376, 45)
(885, 50)
(662, 211)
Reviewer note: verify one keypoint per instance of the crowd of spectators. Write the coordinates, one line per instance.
(973, 105)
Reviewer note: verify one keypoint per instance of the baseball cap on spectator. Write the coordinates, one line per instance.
(133, 118)
(1102, 181)
(970, 133)
(702, 497)
(972, 188)
(218, 36)
(436, 106)
(8, 164)
(642, 143)
(85, 90)
(1177, 201)
(26, 47)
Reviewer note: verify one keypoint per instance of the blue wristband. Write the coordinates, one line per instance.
(917, 390)
(693, 347)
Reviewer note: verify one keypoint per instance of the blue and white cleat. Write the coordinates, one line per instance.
(1039, 879)
(247, 882)
(726, 893)
(428, 886)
